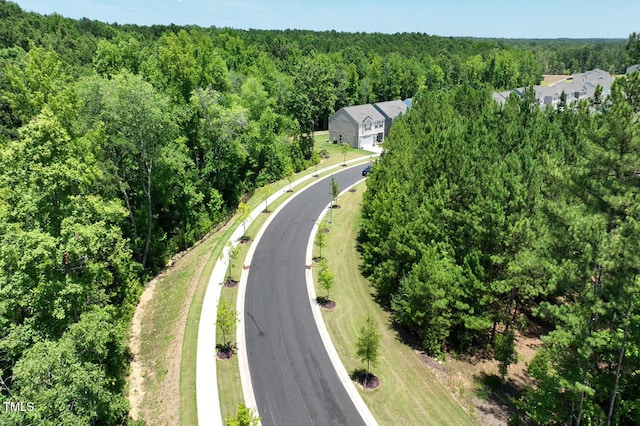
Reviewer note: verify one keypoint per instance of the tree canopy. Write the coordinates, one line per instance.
(480, 218)
(121, 145)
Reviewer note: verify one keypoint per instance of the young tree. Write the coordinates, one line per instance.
(344, 149)
(268, 192)
(325, 278)
(226, 320)
(368, 345)
(288, 173)
(244, 417)
(234, 251)
(335, 189)
(244, 211)
(320, 242)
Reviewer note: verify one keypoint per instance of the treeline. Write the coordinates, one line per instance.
(121, 145)
(479, 219)
(567, 56)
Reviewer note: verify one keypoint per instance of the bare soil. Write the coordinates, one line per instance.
(475, 382)
(152, 398)
(136, 380)
(550, 80)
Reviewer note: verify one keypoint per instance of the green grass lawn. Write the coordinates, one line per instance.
(409, 394)
(175, 309)
(172, 294)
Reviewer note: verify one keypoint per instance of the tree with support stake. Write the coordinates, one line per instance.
(335, 190)
(244, 211)
(320, 242)
(326, 281)
(344, 149)
(268, 191)
(288, 173)
(234, 251)
(368, 347)
(226, 320)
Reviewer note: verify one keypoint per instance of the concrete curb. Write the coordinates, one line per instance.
(348, 384)
(207, 397)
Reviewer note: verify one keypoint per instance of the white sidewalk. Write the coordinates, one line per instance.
(207, 398)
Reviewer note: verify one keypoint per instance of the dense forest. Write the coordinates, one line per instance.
(480, 220)
(121, 145)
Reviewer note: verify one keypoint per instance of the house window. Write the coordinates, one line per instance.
(367, 126)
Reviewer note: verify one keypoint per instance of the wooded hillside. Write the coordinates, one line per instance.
(121, 145)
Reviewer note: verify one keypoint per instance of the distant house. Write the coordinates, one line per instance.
(361, 126)
(501, 97)
(391, 110)
(578, 87)
(633, 68)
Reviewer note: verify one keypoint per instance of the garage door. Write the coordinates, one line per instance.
(366, 142)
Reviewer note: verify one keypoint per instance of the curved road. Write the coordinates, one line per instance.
(293, 379)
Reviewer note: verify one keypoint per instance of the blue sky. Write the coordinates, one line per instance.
(476, 18)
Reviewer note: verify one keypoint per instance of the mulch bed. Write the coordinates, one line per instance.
(368, 382)
(230, 283)
(336, 206)
(245, 239)
(326, 303)
(225, 354)
(352, 190)
(325, 230)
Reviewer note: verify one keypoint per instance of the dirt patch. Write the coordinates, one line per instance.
(475, 384)
(154, 384)
(550, 80)
(136, 380)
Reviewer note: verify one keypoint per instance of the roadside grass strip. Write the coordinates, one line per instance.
(208, 390)
(409, 393)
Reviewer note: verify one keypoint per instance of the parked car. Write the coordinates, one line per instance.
(366, 170)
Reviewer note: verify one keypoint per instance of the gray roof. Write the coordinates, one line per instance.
(501, 97)
(596, 76)
(360, 112)
(583, 84)
(391, 109)
(542, 91)
(633, 68)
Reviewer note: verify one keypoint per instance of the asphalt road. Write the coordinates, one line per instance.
(293, 379)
